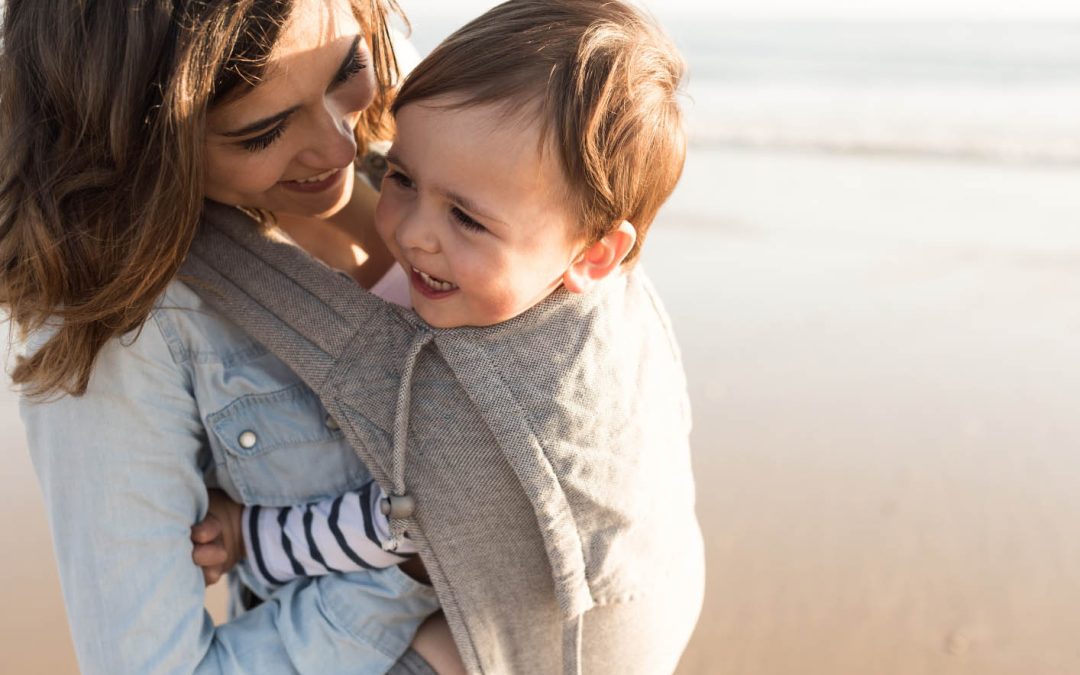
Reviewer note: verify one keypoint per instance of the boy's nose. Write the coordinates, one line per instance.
(415, 233)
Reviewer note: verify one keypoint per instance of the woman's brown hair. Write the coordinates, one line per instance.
(102, 115)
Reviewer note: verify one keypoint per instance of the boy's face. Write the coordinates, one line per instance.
(475, 213)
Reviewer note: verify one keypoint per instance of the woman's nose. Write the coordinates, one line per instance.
(332, 144)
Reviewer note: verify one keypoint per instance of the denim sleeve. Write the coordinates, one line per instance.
(119, 470)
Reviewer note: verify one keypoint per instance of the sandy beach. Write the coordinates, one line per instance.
(882, 358)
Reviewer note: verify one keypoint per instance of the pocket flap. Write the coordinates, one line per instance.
(259, 423)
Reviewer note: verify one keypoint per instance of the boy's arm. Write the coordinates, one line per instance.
(340, 534)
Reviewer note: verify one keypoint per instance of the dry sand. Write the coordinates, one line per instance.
(884, 369)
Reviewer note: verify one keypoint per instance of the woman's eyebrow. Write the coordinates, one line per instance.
(262, 124)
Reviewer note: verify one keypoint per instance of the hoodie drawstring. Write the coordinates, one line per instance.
(571, 647)
(399, 506)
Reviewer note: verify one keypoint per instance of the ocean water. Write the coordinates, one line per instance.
(1001, 91)
(994, 90)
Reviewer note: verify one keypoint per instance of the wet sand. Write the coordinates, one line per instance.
(883, 361)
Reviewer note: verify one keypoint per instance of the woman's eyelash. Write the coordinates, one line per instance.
(354, 66)
(465, 220)
(263, 141)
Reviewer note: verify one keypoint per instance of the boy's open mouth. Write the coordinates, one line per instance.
(431, 286)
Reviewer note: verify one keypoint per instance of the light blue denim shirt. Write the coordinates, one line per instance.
(188, 402)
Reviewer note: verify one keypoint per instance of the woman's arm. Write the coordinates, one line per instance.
(121, 476)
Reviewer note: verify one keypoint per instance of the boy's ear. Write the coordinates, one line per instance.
(600, 259)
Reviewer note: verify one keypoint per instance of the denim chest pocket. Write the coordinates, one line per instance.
(282, 448)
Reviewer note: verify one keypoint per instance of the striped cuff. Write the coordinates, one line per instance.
(344, 534)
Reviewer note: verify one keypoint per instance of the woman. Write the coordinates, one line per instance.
(118, 120)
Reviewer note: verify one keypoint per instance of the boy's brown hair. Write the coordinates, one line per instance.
(604, 81)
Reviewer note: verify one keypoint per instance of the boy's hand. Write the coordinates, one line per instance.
(218, 540)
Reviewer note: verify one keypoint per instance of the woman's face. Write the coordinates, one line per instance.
(287, 145)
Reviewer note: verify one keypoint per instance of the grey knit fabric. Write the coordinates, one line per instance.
(548, 455)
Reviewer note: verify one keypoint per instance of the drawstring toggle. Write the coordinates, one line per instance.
(396, 507)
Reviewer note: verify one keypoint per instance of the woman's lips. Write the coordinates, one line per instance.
(316, 183)
(429, 286)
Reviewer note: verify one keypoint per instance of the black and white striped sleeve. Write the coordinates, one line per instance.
(341, 534)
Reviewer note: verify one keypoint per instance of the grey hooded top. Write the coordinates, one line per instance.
(547, 456)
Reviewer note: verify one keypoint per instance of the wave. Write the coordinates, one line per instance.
(1037, 123)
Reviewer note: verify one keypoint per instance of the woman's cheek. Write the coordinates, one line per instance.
(257, 172)
(365, 91)
(353, 98)
(232, 175)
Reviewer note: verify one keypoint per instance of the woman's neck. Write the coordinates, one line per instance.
(347, 240)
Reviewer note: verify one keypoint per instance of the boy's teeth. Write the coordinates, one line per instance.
(433, 283)
(316, 179)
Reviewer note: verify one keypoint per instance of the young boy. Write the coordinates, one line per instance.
(533, 150)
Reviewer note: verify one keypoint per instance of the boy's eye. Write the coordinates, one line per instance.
(465, 220)
(263, 141)
(351, 67)
(400, 178)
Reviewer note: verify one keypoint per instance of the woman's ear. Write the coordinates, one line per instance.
(600, 259)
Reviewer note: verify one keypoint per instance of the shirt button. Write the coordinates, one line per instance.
(331, 423)
(247, 440)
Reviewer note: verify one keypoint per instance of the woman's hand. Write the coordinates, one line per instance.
(218, 540)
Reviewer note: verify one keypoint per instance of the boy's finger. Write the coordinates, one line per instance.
(208, 555)
(206, 531)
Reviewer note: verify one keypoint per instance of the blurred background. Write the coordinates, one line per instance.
(873, 266)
